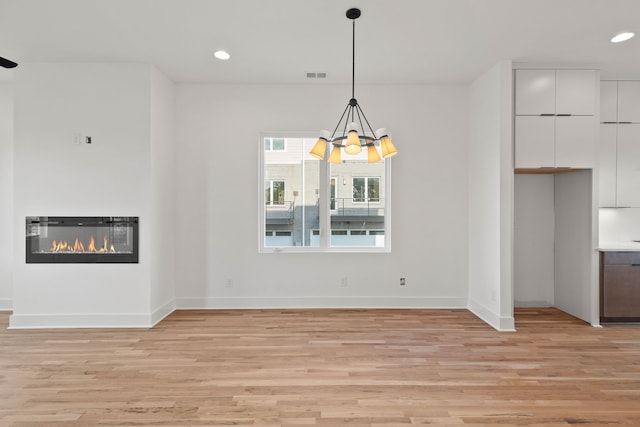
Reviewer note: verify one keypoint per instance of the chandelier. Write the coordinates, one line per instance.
(351, 133)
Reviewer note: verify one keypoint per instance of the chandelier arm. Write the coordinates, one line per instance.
(364, 132)
(346, 122)
(340, 121)
(367, 122)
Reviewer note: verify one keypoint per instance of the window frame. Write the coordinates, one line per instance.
(324, 204)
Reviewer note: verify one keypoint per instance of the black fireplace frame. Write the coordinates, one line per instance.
(83, 258)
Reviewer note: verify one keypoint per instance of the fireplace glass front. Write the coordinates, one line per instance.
(81, 239)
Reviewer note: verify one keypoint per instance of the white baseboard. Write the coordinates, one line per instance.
(532, 304)
(6, 304)
(499, 323)
(319, 302)
(162, 312)
(58, 321)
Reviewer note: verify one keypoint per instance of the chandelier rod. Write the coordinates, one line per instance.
(353, 61)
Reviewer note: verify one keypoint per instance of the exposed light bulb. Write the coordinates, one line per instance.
(353, 140)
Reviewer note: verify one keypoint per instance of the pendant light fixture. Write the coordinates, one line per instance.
(354, 135)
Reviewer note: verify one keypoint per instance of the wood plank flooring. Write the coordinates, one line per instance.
(324, 368)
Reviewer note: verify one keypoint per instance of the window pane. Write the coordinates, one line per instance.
(359, 189)
(361, 212)
(267, 144)
(278, 192)
(373, 189)
(292, 188)
(267, 192)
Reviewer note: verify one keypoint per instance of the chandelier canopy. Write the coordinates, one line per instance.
(351, 133)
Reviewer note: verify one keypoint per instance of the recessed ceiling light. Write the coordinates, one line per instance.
(622, 37)
(221, 54)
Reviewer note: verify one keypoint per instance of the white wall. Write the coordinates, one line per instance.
(6, 195)
(490, 214)
(619, 225)
(162, 236)
(576, 289)
(217, 145)
(55, 176)
(533, 247)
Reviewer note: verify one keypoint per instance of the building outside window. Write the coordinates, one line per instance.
(322, 207)
(274, 144)
(366, 189)
(274, 192)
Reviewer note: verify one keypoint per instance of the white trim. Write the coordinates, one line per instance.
(163, 311)
(6, 304)
(42, 321)
(532, 304)
(320, 302)
(499, 323)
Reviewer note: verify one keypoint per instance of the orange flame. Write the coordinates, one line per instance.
(63, 246)
(78, 246)
(104, 246)
(92, 244)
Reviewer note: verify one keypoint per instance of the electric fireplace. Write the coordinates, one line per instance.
(71, 239)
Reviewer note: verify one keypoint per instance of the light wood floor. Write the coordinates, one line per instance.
(324, 368)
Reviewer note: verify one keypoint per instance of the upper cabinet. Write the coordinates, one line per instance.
(619, 101)
(556, 118)
(619, 144)
(556, 92)
(608, 101)
(629, 101)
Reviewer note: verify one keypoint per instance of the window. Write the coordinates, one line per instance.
(311, 205)
(366, 189)
(274, 144)
(274, 192)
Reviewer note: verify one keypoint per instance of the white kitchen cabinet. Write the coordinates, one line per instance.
(535, 141)
(551, 92)
(628, 162)
(628, 101)
(576, 138)
(555, 142)
(555, 124)
(607, 152)
(608, 101)
(535, 92)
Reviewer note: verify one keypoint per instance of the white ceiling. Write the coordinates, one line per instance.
(279, 41)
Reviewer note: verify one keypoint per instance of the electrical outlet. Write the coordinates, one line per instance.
(229, 283)
(402, 281)
(344, 282)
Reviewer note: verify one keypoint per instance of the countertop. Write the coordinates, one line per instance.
(628, 246)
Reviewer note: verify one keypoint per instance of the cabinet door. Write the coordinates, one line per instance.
(629, 101)
(576, 92)
(607, 148)
(535, 146)
(621, 291)
(609, 101)
(628, 160)
(535, 92)
(575, 141)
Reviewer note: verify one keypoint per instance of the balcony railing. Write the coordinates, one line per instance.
(281, 213)
(349, 206)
